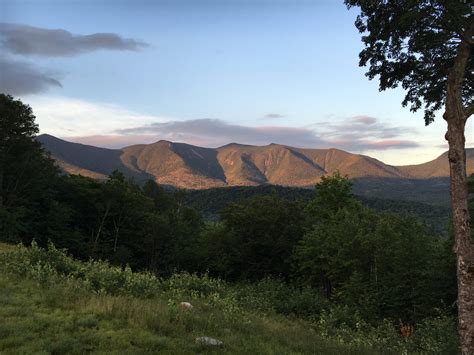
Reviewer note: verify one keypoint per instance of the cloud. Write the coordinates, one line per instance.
(215, 132)
(28, 40)
(111, 141)
(61, 116)
(363, 145)
(21, 78)
(273, 116)
(366, 120)
(362, 127)
(98, 123)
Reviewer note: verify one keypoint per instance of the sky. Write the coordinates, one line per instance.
(206, 72)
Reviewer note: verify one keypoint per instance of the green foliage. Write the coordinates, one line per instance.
(66, 319)
(47, 266)
(255, 238)
(383, 265)
(413, 44)
(115, 220)
(333, 193)
(211, 201)
(93, 306)
(27, 176)
(194, 286)
(434, 335)
(271, 294)
(324, 257)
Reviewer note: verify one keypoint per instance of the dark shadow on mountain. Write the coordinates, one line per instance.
(89, 158)
(202, 160)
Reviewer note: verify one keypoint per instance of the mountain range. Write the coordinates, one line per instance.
(187, 166)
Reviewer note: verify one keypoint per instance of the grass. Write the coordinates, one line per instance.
(63, 315)
(6, 247)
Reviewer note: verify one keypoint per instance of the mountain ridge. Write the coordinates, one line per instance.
(188, 166)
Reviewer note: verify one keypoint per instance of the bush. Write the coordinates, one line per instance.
(276, 295)
(435, 335)
(48, 265)
(340, 323)
(194, 286)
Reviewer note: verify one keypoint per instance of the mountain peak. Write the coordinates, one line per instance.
(163, 141)
(234, 144)
(188, 166)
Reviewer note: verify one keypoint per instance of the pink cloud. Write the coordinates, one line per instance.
(215, 133)
(364, 119)
(111, 141)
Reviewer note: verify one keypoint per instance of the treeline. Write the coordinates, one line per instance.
(211, 201)
(380, 264)
(376, 264)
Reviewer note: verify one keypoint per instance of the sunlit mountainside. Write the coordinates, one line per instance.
(187, 166)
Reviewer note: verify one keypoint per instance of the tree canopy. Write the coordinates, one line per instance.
(413, 44)
(425, 47)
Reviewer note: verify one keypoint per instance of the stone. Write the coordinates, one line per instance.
(186, 305)
(209, 341)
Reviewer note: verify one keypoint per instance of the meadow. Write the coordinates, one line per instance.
(52, 303)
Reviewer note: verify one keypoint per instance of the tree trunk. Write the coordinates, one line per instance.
(456, 118)
(101, 225)
(2, 172)
(1, 184)
(117, 230)
(462, 239)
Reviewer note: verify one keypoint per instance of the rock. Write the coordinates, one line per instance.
(209, 341)
(186, 305)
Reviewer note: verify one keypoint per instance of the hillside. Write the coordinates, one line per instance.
(86, 160)
(52, 303)
(436, 168)
(211, 201)
(176, 164)
(59, 311)
(187, 166)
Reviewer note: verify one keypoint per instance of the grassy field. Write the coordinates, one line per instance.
(6, 247)
(62, 319)
(66, 317)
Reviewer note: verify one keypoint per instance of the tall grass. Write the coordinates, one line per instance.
(54, 303)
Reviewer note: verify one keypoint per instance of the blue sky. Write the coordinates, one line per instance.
(206, 72)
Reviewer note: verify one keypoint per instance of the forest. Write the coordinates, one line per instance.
(330, 252)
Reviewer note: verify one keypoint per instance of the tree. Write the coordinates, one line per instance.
(332, 194)
(382, 265)
(255, 240)
(425, 47)
(17, 128)
(27, 176)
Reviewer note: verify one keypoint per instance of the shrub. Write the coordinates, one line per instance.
(340, 323)
(276, 295)
(48, 265)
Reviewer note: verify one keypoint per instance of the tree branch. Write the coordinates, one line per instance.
(466, 39)
(469, 110)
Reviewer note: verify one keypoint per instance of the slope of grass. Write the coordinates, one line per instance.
(46, 313)
(6, 247)
(51, 303)
(63, 318)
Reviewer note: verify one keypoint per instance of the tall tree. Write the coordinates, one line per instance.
(425, 46)
(17, 128)
(27, 176)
